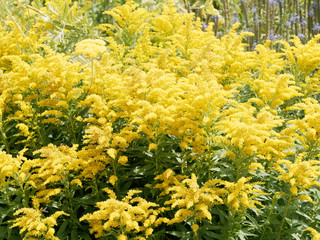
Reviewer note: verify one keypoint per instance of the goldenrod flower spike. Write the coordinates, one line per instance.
(33, 224)
(131, 214)
(315, 233)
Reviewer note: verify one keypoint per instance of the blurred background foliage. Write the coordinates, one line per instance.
(68, 22)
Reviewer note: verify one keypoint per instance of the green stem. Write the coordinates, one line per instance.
(69, 197)
(274, 201)
(25, 200)
(72, 129)
(194, 221)
(231, 230)
(186, 5)
(40, 136)
(4, 138)
(96, 189)
(284, 216)
(114, 166)
(12, 18)
(37, 11)
(314, 213)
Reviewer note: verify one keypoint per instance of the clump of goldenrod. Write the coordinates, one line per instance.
(241, 195)
(33, 225)
(300, 174)
(126, 216)
(190, 201)
(188, 197)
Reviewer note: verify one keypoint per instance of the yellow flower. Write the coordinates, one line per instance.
(306, 198)
(152, 146)
(131, 214)
(91, 47)
(113, 179)
(149, 231)
(315, 234)
(252, 132)
(8, 167)
(112, 153)
(123, 160)
(301, 175)
(122, 237)
(98, 135)
(189, 197)
(23, 128)
(76, 181)
(240, 195)
(195, 228)
(33, 224)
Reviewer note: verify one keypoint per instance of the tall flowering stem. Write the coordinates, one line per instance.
(284, 216)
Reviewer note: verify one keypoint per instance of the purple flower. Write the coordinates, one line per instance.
(272, 2)
(204, 26)
(288, 23)
(254, 46)
(219, 33)
(254, 9)
(316, 27)
(293, 18)
(273, 36)
(215, 17)
(301, 36)
(235, 18)
(256, 19)
(314, 5)
(303, 22)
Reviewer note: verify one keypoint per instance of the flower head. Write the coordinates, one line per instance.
(91, 47)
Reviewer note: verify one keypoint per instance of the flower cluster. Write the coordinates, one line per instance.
(128, 215)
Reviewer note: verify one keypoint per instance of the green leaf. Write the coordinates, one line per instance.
(62, 233)
(74, 234)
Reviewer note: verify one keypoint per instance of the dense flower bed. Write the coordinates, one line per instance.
(159, 130)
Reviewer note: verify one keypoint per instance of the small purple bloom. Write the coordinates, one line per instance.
(303, 22)
(293, 18)
(314, 5)
(215, 17)
(235, 18)
(301, 36)
(254, 9)
(272, 2)
(316, 27)
(256, 19)
(204, 26)
(273, 36)
(254, 46)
